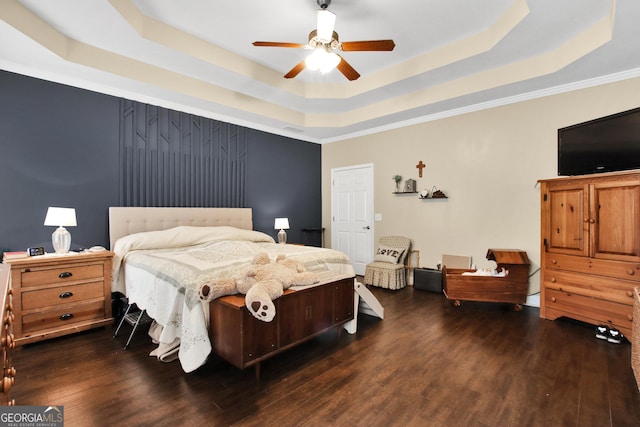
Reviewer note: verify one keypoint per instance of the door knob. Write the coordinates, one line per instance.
(366, 228)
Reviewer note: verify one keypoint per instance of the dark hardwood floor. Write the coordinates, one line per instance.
(426, 364)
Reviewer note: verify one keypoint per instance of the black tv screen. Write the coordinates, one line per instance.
(607, 144)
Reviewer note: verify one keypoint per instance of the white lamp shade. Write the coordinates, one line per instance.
(61, 217)
(281, 224)
(313, 61)
(325, 23)
(329, 62)
(321, 59)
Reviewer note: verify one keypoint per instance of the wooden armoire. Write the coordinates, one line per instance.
(590, 248)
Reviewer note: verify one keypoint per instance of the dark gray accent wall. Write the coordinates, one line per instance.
(170, 158)
(283, 180)
(60, 146)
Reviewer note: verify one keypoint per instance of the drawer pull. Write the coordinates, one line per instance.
(65, 274)
(630, 272)
(629, 294)
(66, 295)
(553, 299)
(553, 280)
(66, 316)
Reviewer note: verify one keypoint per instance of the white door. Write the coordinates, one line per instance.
(352, 213)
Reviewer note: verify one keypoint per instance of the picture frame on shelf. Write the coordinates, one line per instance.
(410, 186)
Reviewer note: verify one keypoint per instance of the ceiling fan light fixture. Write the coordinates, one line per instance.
(314, 60)
(321, 59)
(326, 22)
(330, 62)
(325, 43)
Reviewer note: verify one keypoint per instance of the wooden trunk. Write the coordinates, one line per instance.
(511, 288)
(243, 340)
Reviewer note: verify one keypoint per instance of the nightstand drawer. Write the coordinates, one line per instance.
(38, 277)
(63, 316)
(66, 294)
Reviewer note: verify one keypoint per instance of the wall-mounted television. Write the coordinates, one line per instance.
(607, 144)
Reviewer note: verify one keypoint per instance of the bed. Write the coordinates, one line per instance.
(163, 255)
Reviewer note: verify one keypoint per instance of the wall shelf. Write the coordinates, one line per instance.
(405, 192)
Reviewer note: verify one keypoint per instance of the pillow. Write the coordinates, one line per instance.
(388, 254)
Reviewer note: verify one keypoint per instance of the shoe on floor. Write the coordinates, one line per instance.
(602, 332)
(615, 336)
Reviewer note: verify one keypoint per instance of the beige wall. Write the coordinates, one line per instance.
(487, 162)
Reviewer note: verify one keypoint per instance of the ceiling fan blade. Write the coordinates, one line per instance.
(279, 44)
(368, 45)
(345, 68)
(295, 70)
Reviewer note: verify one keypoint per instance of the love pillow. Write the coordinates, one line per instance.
(388, 254)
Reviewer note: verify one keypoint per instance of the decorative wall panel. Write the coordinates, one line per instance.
(169, 158)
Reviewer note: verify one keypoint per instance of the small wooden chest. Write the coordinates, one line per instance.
(512, 288)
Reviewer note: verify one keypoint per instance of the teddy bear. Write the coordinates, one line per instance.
(262, 281)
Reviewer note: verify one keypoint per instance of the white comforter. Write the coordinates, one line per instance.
(173, 238)
(161, 271)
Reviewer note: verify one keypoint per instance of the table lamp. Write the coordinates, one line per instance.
(282, 224)
(61, 217)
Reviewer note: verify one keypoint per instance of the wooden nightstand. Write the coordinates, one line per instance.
(55, 295)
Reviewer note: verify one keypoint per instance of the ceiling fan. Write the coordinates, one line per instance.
(324, 42)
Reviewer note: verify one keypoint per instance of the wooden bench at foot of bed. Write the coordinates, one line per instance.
(302, 314)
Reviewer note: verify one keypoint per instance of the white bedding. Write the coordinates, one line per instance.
(161, 271)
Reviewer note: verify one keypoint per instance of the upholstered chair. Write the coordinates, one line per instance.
(388, 267)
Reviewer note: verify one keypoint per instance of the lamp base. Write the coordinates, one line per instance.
(282, 237)
(61, 240)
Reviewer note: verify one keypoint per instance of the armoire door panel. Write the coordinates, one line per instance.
(568, 224)
(617, 220)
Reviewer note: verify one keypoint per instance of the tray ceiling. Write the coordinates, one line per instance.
(451, 56)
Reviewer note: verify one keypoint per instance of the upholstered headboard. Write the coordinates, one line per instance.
(124, 221)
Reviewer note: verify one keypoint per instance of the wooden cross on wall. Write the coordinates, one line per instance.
(420, 166)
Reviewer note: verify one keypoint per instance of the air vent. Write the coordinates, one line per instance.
(289, 128)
